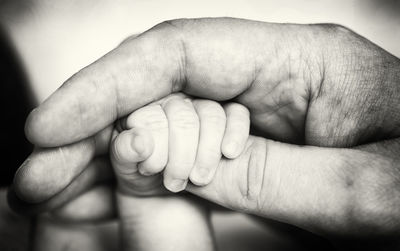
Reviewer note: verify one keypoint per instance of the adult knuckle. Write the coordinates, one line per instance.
(338, 28)
(334, 28)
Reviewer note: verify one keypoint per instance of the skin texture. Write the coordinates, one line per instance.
(147, 211)
(145, 208)
(185, 138)
(319, 85)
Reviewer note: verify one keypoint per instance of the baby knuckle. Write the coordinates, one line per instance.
(156, 122)
(215, 118)
(151, 116)
(185, 120)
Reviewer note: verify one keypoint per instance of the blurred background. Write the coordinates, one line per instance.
(54, 39)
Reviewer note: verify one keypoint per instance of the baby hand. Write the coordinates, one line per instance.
(183, 137)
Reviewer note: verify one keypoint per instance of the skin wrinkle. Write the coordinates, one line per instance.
(165, 47)
(337, 220)
(305, 133)
(181, 81)
(62, 156)
(254, 179)
(276, 108)
(255, 110)
(119, 159)
(65, 162)
(97, 88)
(350, 114)
(118, 104)
(267, 209)
(322, 70)
(248, 196)
(290, 121)
(191, 85)
(332, 133)
(376, 103)
(373, 190)
(155, 188)
(291, 76)
(256, 74)
(339, 101)
(319, 90)
(80, 110)
(372, 97)
(371, 104)
(362, 209)
(117, 98)
(153, 120)
(364, 204)
(334, 120)
(63, 196)
(100, 141)
(261, 202)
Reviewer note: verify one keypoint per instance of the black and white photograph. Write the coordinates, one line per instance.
(183, 125)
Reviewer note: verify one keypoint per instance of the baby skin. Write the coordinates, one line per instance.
(172, 141)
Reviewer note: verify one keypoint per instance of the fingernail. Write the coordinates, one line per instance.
(200, 176)
(144, 172)
(231, 150)
(175, 185)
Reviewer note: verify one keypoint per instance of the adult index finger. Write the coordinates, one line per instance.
(212, 58)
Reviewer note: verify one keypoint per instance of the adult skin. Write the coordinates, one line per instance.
(318, 85)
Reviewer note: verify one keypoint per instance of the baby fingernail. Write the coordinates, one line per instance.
(175, 185)
(230, 150)
(200, 176)
(145, 172)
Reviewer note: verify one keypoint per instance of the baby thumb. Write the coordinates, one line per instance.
(128, 149)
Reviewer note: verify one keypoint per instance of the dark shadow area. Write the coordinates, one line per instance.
(15, 8)
(15, 104)
(391, 7)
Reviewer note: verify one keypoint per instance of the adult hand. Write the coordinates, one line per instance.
(319, 85)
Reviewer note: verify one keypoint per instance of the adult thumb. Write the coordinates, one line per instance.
(299, 185)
